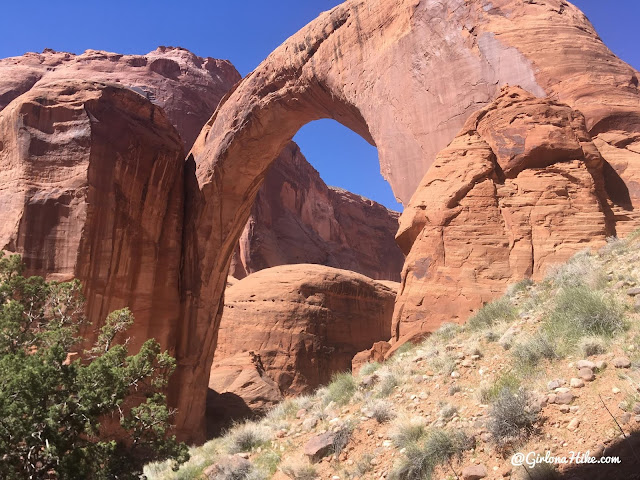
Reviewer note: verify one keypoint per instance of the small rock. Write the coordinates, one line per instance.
(586, 374)
(485, 437)
(301, 413)
(474, 472)
(455, 375)
(565, 408)
(621, 362)
(601, 365)
(309, 423)
(574, 424)
(564, 398)
(576, 383)
(636, 305)
(319, 445)
(551, 398)
(553, 384)
(615, 390)
(585, 364)
(230, 463)
(632, 292)
(636, 409)
(625, 418)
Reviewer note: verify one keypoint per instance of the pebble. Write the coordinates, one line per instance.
(553, 384)
(615, 390)
(564, 398)
(576, 383)
(632, 292)
(574, 424)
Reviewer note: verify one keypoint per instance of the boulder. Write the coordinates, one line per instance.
(519, 189)
(305, 321)
(296, 218)
(319, 446)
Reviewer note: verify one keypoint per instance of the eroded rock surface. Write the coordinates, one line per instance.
(303, 322)
(186, 86)
(91, 187)
(405, 75)
(520, 188)
(296, 218)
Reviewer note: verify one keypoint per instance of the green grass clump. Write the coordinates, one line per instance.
(404, 348)
(421, 458)
(247, 436)
(580, 312)
(528, 354)
(369, 368)
(268, 461)
(300, 470)
(500, 310)
(387, 384)
(408, 432)
(509, 381)
(341, 388)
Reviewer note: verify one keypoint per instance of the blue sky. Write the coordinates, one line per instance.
(245, 33)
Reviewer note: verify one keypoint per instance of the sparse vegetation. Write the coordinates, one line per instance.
(369, 368)
(511, 418)
(528, 354)
(341, 388)
(580, 312)
(387, 383)
(500, 310)
(421, 458)
(592, 345)
(299, 469)
(246, 436)
(342, 436)
(408, 432)
(381, 410)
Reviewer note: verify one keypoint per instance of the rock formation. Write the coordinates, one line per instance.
(296, 218)
(520, 188)
(91, 187)
(404, 75)
(186, 86)
(301, 323)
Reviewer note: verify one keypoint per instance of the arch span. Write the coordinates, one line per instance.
(403, 74)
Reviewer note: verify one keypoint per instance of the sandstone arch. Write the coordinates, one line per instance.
(403, 74)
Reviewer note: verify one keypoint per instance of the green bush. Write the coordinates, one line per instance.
(408, 432)
(509, 381)
(341, 388)
(580, 312)
(529, 353)
(500, 310)
(51, 406)
(247, 436)
(369, 368)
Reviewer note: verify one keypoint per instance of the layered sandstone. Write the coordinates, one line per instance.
(186, 86)
(296, 218)
(520, 188)
(91, 187)
(304, 322)
(405, 75)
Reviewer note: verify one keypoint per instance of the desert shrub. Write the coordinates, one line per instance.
(408, 432)
(341, 388)
(363, 465)
(381, 410)
(230, 468)
(437, 447)
(614, 246)
(581, 270)
(500, 310)
(580, 312)
(541, 471)
(387, 383)
(509, 381)
(453, 389)
(518, 287)
(268, 462)
(342, 436)
(444, 364)
(511, 418)
(369, 368)
(52, 407)
(590, 346)
(299, 469)
(528, 354)
(406, 347)
(447, 411)
(246, 436)
(447, 331)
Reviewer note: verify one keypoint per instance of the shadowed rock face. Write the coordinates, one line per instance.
(186, 86)
(91, 187)
(405, 75)
(520, 188)
(296, 218)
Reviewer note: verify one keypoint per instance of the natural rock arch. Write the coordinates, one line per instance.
(404, 75)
